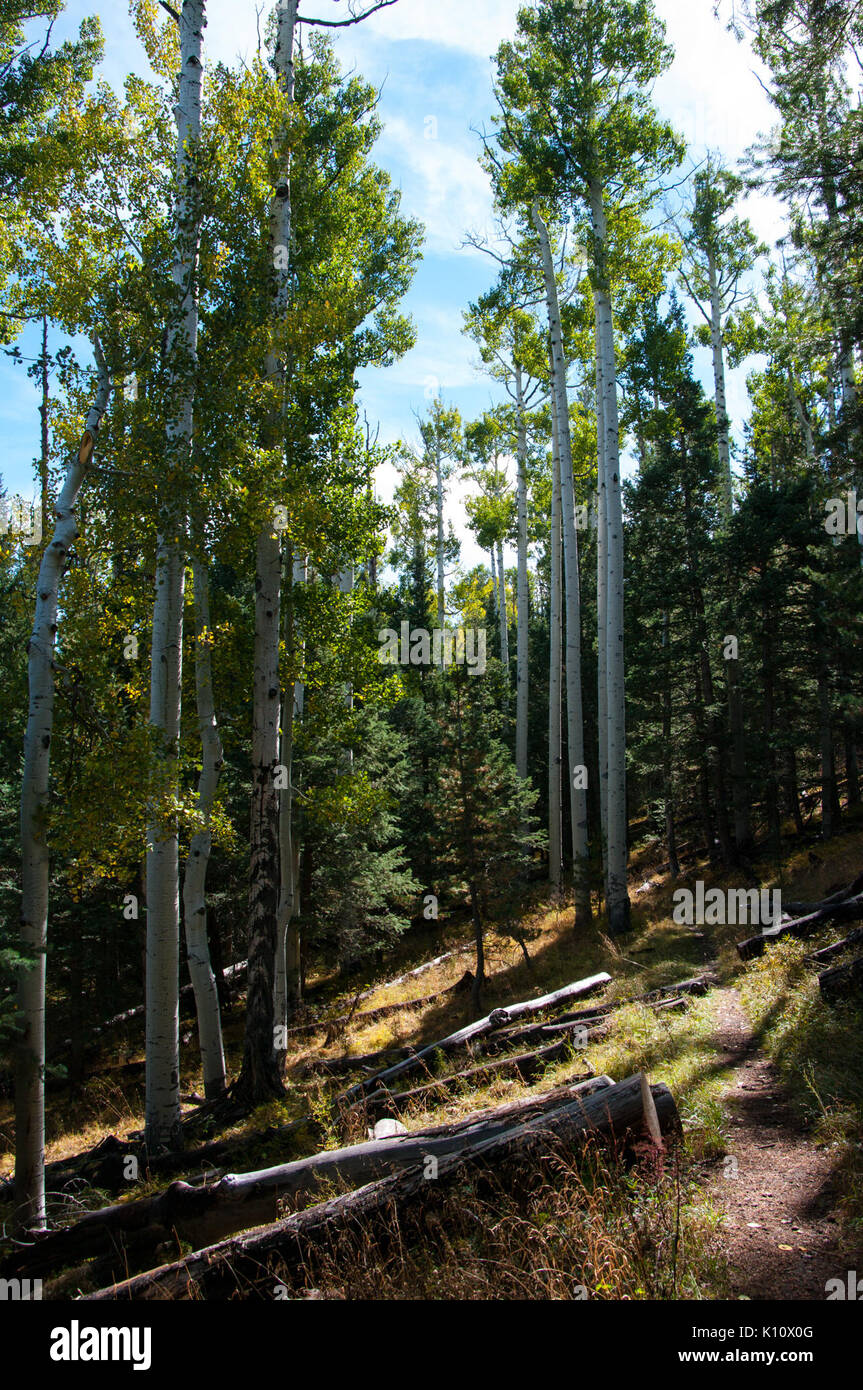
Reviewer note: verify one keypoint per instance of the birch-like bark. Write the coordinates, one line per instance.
(601, 616)
(197, 864)
(801, 417)
(259, 1078)
(503, 615)
(288, 983)
(35, 858)
(522, 616)
(555, 840)
(722, 428)
(162, 1100)
(438, 461)
(577, 771)
(617, 896)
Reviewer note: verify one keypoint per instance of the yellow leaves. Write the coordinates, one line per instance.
(161, 41)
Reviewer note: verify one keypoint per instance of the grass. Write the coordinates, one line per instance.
(611, 1229)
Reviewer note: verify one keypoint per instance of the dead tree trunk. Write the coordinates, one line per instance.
(612, 1114)
(842, 982)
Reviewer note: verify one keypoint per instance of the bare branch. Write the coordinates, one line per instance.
(354, 19)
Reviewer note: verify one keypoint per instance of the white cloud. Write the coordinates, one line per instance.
(443, 184)
(472, 27)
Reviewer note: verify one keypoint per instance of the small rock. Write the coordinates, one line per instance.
(386, 1129)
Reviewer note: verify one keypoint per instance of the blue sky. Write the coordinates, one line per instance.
(431, 58)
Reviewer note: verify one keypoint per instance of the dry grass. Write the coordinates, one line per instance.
(604, 1228)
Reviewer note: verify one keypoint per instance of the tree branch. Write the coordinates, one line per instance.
(344, 23)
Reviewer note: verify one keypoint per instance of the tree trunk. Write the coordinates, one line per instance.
(441, 595)
(201, 1214)
(577, 772)
(35, 858)
(522, 615)
(617, 896)
(725, 479)
(667, 782)
(498, 1018)
(555, 838)
(44, 461)
(842, 982)
(503, 614)
(630, 1106)
(739, 780)
(601, 619)
(195, 883)
(288, 984)
(259, 1078)
(479, 973)
(829, 819)
(771, 792)
(162, 1101)
(852, 774)
(848, 910)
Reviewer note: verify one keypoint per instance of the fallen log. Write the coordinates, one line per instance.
(232, 976)
(491, 1042)
(842, 982)
(799, 909)
(494, 1041)
(221, 1270)
(238, 1200)
(848, 943)
(498, 1018)
(107, 1167)
(848, 910)
(525, 1064)
(370, 1016)
(420, 970)
(698, 984)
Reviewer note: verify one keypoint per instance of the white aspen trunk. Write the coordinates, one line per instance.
(259, 1077)
(260, 1067)
(494, 589)
(601, 615)
(502, 613)
(288, 980)
(802, 418)
(441, 604)
(617, 896)
(725, 479)
(35, 857)
(577, 773)
(522, 615)
(197, 864)
(162, 1101)
(555, 842)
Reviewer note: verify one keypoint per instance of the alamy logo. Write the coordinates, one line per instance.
(20, 1290)
(416, 647)
(850, 1288)
(731, 907)
(844, 515)
(77, 1343)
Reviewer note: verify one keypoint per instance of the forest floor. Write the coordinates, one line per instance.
(776, 1188)
(767, 1198)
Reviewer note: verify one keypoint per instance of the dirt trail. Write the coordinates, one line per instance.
(775, 1186)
